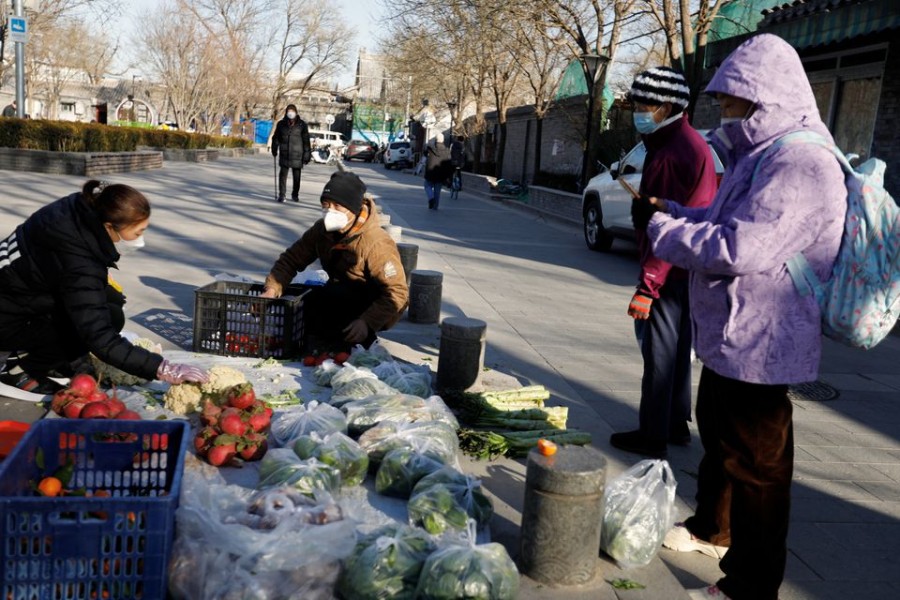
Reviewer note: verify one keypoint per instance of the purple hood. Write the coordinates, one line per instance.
(750, 323)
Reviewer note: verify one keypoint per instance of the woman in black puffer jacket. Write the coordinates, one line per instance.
(55, 305)
(290, 143)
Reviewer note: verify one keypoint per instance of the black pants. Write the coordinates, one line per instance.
(282, 181)
(50, 342)
(666, 348)
(744, 481)
(329, 309)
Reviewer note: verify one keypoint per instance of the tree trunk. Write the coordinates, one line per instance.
(538, 141)
(501, 150)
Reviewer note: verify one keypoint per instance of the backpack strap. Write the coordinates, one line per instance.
(805, 279)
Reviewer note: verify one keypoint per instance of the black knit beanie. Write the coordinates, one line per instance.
(345, 189)
(658, 85)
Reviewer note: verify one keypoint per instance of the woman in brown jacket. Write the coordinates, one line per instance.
(366, 290)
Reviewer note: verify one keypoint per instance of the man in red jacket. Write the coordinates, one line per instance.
(679, 167)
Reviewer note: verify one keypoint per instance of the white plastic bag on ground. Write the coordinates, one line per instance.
(639, 510)
(313, 417)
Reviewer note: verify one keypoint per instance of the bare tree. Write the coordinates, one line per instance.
(312, 43)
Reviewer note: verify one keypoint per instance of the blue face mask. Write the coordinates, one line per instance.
(644, 122)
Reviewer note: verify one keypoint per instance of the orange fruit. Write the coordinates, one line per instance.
(546, 447)
(50, 486)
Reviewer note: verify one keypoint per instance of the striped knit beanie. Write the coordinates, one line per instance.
(659, 85)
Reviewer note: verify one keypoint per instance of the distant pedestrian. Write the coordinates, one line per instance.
(755, 333)
(438, 169)
(290, 143)
(10, 109)
(679, 167)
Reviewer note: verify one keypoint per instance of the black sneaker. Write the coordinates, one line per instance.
(295, 198)
(680, 435)
(280, 199)
(635, 441)
(27, 383)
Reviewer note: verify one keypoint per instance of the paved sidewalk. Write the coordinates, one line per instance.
(556, 316)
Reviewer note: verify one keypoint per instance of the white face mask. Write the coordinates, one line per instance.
(334, 220)
(291, 114)
(124, 246)
(727, 120)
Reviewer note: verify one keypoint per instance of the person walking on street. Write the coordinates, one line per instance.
(679, 167)
(755, 333)
(438, 169)
(290, 143)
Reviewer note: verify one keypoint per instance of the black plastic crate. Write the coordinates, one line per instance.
(89, 546)
(232, 320)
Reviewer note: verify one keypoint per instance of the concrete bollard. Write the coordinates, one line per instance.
(395, 231)
(384, 220)
(409, 258)
(461, 355)
(425, 296)
(561, 518)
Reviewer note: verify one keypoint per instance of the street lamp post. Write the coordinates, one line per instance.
(593, 65)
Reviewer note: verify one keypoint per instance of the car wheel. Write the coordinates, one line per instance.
(595, 235)
(387, 166)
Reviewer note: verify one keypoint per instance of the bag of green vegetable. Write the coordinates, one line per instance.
(323, 373)
(638, 511)
(371, 357)
(402, 408)
(469, 570)
(447, 499)
(407, 378)
(348, 373)
(314, 417)
(402, 468)
(385, 564)
(433, 437)
(338, 451)
(282, 467)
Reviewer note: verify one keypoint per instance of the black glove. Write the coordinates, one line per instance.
(306, 158)
(274, 151)
(641, 211)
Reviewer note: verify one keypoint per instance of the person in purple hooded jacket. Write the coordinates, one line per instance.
(679, 167)
(753, 331)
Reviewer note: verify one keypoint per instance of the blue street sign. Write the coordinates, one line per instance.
(18, 29)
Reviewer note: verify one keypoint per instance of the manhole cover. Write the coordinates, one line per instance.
(814, 391)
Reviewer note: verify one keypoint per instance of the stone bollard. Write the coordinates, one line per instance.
(561, 518)
(395, 231)
(425, 296)
(384, 220)
(409, 258)
(461, 355)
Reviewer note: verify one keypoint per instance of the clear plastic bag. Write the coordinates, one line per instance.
(464, 569)
(323, 373)
(406, 378)
(639, 510)
(336, 450)
(313, 417)
(402, 468)
(281, 467)
(447, 499)
(433, 437)
(371, 357)
(219, 553)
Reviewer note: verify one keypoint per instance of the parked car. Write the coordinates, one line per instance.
(398, 155)
(606, 206)
(361, 150)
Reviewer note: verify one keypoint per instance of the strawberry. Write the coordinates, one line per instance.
(223, 449)
(309, 361)
(60, 400)
(253, 446)
(322, 358)
(83, 384)
(211, 412)
(231, 422)
(341, 357)
(241, 396)
(204, 440)
(259, 421)
(95, 410)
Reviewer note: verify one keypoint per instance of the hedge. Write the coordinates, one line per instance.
(68, 136)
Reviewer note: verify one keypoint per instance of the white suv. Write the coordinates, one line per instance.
(606, 206)
(398, 154)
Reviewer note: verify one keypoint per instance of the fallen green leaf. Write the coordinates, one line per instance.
(39, 458)
(625, 584)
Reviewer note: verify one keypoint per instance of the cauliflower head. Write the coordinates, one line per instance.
(112, 376)
(183, 399)
(221, 378)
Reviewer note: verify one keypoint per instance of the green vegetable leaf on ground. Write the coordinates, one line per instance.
(625, 584)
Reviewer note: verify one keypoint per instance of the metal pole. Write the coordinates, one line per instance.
(20, 66)
(587, 139)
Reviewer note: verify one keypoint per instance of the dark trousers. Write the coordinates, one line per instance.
(282, 181)
(666, 348)
(330, 308)
(744, 481)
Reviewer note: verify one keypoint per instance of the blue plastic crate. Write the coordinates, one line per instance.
(91, 548)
